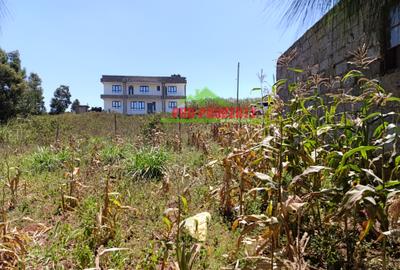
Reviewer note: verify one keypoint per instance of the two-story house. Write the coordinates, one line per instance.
(142, 94)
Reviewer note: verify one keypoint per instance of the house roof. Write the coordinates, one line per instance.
(151, 79)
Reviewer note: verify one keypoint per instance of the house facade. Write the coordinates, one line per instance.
(327, 46)
(134, 95)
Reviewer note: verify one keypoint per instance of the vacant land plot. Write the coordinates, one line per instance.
(315, 187)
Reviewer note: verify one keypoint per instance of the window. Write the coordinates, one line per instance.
(392, 57)
(144, 88)
(137, 105)
(116, 104)
(172, 105)
(158, 88)
(172, 89)
(116, 88)
(130, 90)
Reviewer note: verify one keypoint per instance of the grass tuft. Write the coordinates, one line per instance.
(147, 163)
(47, 159)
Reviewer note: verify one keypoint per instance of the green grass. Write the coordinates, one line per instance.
(147, 163)
(112, 154)
(47, 159)
(130, 161)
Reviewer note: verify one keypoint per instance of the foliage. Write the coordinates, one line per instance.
(316, 167)
(152, 127)
(147, 163)
(113, 153)
(96, 109)
(308, 10)
(324, 248)
(61, 100)
(32, 100)
(47, 159)
(17, 95)
(316, 187)
(13, 246)
(75, 105)
(12, 84)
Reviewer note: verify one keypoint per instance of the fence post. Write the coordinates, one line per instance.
(57, 132)
(179, 124)
(115, 124)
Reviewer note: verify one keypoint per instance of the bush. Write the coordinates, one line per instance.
(84, 255)
(3, 135)
(47, 159)
(86, 211)
(152, 126)
(112, 154)
(147, 163)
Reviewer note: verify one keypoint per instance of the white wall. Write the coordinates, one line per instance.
(146, 100)
(152, 88)
(108, 105)
(136, 88)
(180, 89)
(108, 88)
(180, 104)
(152, 92)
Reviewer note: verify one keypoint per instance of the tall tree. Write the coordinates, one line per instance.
(61, 100)
(75, 105)
(12, 84)
(32, 100)
(35, 85)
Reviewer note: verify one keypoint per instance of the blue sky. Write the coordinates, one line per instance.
(74, 42)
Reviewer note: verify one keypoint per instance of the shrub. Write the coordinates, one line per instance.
(84, 255)
(86, 212)
(111, 154)
(3, 135)
(152, 125)
(47, 159)
(147, 163)
(324, 248)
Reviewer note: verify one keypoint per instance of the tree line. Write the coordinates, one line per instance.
(22, 94)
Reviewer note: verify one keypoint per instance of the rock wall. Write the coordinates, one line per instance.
(326, 48)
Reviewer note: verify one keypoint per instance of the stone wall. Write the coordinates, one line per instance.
(326, 48)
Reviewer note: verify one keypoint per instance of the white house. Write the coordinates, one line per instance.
(142, 94)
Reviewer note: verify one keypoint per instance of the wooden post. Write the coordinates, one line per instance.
(179, 124)
(57, 132)
(115, 124)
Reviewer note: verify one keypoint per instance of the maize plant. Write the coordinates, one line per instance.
(319, 162)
